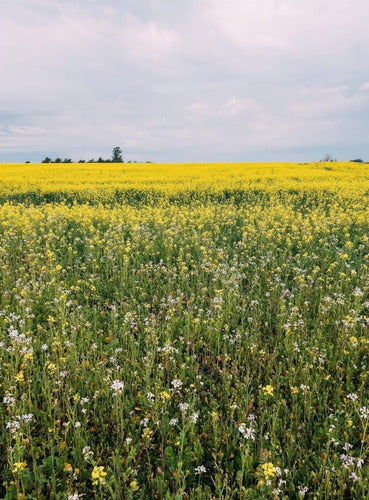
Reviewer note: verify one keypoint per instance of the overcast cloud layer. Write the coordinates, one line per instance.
(184, 80)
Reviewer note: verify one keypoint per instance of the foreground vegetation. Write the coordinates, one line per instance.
(186, 332)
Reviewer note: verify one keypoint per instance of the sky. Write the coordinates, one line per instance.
(184, 80)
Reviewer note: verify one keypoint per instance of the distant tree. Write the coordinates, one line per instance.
(358, 160)
(91, 161)
(328, 158)
(27, 161)
(117, 155)
(58, 160)
(67, 160)
(81, 161)
(46, 160)
(100, 160)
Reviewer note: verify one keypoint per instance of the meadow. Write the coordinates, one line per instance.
(184, 331)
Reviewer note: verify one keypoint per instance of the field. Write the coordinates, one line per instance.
(184, 331)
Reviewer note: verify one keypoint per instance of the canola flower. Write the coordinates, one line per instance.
(201, 330)
(269, 470)
(98, 475)
(268, 390)
(19, 467)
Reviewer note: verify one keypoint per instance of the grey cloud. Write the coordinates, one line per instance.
(184, 80)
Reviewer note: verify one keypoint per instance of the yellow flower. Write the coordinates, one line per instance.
(268, 390)
(67, 467)
(63, 445)
(28, 356)
(50, 366)
(98, 475)
(260, 483)
(19, 466)
(269, 470)
(134, 485)
(20, 376)
(164, 395)
(147, 433)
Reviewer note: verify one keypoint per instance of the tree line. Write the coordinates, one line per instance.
(116, 157)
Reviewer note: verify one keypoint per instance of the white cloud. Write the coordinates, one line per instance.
(197, 107)
(235, 106)
(183, 80)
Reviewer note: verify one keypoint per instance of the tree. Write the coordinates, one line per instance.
(117, 155)
(328, 157)
(46, 160)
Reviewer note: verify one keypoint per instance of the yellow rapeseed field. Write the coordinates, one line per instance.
(169, 178)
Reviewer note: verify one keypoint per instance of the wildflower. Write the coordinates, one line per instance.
(200, 469)
(150, 397)
(18, 467)
(147, 433)
(164, 396)
(354, 477)
(8, 399)
(347, 446)
(98, 475)
(117, 387)
(63, 445)
(183, 407)
(28, 356)
(144, 421)
(173, 421)
(268, 390)
(176, 383)
(87, 453)
(134, 485)
(13, 426)
(364, 413)
(302, 490)
(247, 432)
(50, 366)
(269, 470)
(194, 417)
(20, 376)
(68, 467)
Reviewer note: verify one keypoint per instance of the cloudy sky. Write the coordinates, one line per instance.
(184, 80)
